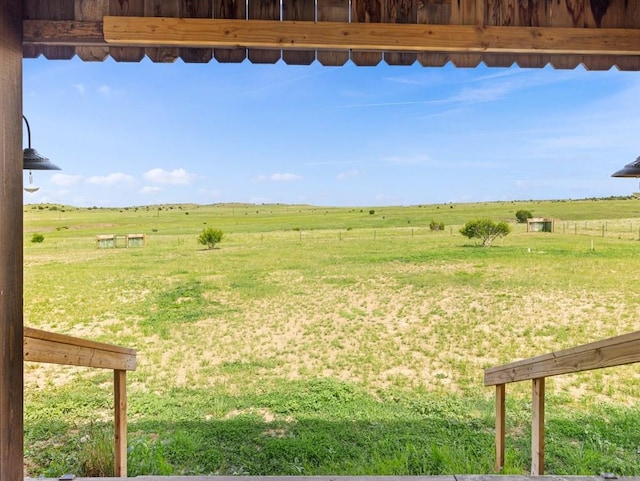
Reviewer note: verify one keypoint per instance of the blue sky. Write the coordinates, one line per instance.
(130, 134)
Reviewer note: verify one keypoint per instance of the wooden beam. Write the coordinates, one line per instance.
(63, 32)
(537, 426)
(205, 33)
(614, 351)
(369, 36)
(42, 346)
(11, 243)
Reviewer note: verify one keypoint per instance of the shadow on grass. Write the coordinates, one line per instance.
(325, 427)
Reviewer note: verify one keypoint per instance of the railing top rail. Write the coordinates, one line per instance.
(614, 351)
(44, 346)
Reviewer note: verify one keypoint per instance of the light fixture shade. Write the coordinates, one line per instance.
(32, 160)
(629, 170)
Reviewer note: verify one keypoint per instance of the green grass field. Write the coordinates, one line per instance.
(335, 341)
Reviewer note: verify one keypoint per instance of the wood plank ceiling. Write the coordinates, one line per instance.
(599, 34)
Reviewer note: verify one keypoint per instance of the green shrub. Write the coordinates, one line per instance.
(522, 216)
(435, 225)
(37, 238)
(210, 237)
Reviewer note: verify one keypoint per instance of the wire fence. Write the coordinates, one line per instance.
(616, 229)
(628, 229)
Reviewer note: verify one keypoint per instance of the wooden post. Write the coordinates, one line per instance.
(537, 427)
(11, 247)
(500, 426)
(120, 422)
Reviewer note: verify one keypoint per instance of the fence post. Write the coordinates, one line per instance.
(537, 427)
(500, 425)
(120, 422)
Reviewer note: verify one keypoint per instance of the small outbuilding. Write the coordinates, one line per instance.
(105, 241)
(113, 240)
(540, 224)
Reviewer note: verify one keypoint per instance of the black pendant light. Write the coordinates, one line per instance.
(32, 160)
(629, 170)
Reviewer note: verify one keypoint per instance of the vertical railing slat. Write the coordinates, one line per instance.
(537, 427)
(500, 425)
(120, 422)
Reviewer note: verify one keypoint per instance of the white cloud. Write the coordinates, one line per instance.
(111, 179)
(284, 177)
(175, 177)
(105, 90)
(486, 93)
(347, 174)
(65, 180)
(277, 178)
(415, 159)
(81, 88)
(494, 87)
(150, 190)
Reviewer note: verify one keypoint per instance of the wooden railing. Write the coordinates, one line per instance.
(615, 351)
(42, 346)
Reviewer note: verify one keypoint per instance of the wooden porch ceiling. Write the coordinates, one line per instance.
(599, 34)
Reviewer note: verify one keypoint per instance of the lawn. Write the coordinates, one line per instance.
(338, 341)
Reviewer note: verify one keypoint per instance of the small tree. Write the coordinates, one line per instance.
(485, 229)
(522, 216)
(210, 237)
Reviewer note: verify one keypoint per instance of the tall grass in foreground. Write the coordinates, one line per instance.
(331, 341)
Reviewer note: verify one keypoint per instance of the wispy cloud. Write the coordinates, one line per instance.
(348, 174)
(497, 86)
(387, 104)
(174, 177)
(420, 79)
(415, 159)
(111, 180)
(482, 94)
(65, 180)
(102, 90)
(286, 177)
(147, 189)
(488, 88)
(332, 162)
(280, 81)
(105, 90)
